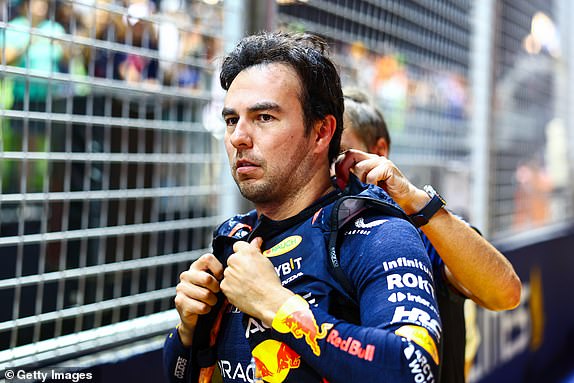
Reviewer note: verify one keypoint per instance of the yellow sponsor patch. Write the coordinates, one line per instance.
(284, 246)
(420, 336)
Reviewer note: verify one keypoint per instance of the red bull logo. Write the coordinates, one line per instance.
(352, 346)
(274, 360)
(287, 358)
(261, 370)
(302, 324)
(296, 317)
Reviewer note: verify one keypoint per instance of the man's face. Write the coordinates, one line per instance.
(265, 139)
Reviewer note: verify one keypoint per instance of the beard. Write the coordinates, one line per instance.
(260, 191)
(257, 193)
(278, 185)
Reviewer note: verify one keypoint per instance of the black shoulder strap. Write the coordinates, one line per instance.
(203, 353)
(344, 210)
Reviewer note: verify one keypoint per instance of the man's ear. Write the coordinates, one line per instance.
(380, 148)
(323, 131)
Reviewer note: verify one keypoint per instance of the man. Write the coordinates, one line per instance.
(283, 110)
(472, 268)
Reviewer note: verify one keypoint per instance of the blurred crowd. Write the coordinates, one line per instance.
(163, 42)
(57, 52)
(401, 87)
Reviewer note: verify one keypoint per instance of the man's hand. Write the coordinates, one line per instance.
(196, 293)
(378, 170)
(251, 283)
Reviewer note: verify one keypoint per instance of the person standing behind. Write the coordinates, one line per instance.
(30, 41)
(42, 53)
(465, 265)
(284, 110)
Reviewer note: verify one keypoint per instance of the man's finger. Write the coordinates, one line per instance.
(201, 278)
(240, 245)
(373, 171)
(343, 167)
(208, 262)
(257, 242)
(198, 293)
(346, 163)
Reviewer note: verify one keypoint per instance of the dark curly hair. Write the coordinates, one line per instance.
(321, 92)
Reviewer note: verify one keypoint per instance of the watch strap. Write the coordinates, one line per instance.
(425, 214)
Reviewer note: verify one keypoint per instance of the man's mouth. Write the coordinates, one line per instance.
(242, 163)
(245, 166)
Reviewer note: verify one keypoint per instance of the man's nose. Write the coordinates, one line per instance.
(241, 136)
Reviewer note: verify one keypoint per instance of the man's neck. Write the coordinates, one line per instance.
(296, 203)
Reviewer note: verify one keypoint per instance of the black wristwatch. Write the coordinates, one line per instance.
(422, 217)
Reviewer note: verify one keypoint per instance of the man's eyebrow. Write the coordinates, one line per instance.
(227, 111)
(258, 107)
(264, 106)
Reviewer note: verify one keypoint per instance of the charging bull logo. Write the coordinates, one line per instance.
(261, 370)
(302, 324)
(287, 358)
(274, 360)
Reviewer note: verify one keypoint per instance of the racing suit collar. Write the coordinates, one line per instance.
(267, 228)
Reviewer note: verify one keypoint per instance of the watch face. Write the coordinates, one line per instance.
(431, 192)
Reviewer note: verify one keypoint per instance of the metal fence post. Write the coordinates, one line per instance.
(565, 13)
(482, 42)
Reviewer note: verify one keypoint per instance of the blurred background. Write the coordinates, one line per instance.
(112, 172)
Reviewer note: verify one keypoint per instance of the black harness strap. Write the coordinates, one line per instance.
(344, 210)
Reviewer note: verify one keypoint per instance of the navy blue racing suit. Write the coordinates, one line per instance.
(392, 334)
(451, 309)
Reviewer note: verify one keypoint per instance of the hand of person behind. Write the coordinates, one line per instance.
(378, 170)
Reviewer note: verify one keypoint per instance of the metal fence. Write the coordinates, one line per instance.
(413, 57)
(421, 64)
(110, 182)
(532, 184)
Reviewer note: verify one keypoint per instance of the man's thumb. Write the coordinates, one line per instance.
(257, 242)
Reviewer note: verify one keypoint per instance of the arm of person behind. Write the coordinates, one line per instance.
(473, 266)
(196, 295)
(398, 339)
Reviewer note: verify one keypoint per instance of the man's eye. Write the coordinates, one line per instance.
(265, 117)
(230, 121)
